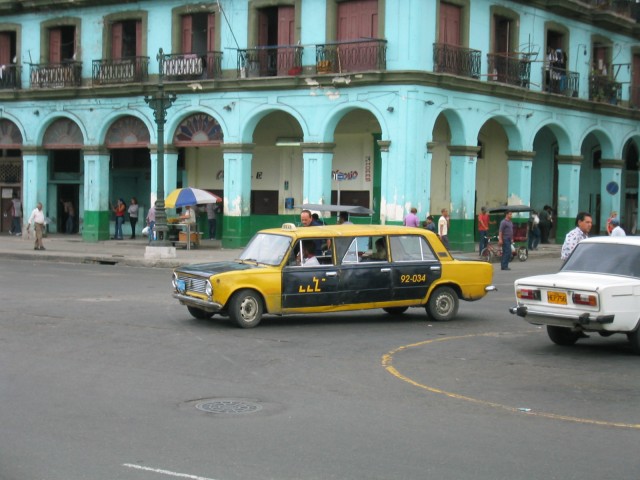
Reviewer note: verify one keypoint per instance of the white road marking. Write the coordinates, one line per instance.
(165, 472)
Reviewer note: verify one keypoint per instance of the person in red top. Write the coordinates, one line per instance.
(119, 210)
(483, 228)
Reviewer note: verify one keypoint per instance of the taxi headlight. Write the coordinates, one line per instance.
(209, 289)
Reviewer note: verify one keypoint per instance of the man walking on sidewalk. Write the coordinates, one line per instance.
(37, 218)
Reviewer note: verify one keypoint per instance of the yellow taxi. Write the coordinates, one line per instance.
(321, 269)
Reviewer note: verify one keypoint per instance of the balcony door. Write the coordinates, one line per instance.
(276, 29)
(635, 82)
(126, 39)
(7, 48)
(198, 33)
(450, 24)
(62, 44)
(357, 22)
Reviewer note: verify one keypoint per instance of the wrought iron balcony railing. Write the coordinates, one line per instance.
(10, 76)
(456, 60)
(511, 69)
(191, 66)
(52, 75)
(625, 8)
(270, 61)
(120, 71)
(605, 90)
(559, 80)
(352, 56)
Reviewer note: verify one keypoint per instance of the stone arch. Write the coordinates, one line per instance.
(127, 132)
(198, 130)
(63, 133)
(10, 135)
(248, 128)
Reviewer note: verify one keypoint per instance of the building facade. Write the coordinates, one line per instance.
(388, 104)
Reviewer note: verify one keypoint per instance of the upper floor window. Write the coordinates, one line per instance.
(198, 33)
(126, 39)
(62, 44)
(8, 48)
(450, 31)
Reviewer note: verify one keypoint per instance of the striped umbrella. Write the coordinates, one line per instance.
(181, 197)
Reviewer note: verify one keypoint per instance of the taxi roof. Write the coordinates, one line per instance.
(344, 230)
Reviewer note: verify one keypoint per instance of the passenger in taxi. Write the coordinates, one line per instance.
(381, 251)
(308, 253)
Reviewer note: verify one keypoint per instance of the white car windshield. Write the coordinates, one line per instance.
(605, 258)
(266, 248)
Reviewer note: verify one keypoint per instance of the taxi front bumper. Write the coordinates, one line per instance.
(196, 302)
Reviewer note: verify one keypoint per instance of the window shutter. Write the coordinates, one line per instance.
(55, 43)
(187, 28)
(116, 41)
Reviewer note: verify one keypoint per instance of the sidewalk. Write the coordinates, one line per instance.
(71, 249)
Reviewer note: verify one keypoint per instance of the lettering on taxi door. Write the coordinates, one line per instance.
(314, 287)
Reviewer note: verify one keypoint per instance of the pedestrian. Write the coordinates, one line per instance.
(411, 220)
(430, 224)
(38, 220)
(534, 231)
(443, 227)
(133, 216)
(544, 224)
(15, 210)
(151, 222)
(483, 228)
(584, 223)
(70, 213)
(119, 210)
(610, 227)
(343, 218)
(505, 237)
(617, 230)
(307, 220)
(212, 212)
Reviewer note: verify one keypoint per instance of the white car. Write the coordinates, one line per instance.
(596, 290)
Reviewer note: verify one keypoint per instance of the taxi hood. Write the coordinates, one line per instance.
(208, 269)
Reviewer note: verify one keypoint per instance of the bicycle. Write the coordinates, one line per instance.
(493, 252)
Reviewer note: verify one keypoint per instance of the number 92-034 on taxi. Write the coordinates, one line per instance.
(322, 269)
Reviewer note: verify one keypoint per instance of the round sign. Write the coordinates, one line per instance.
(612, 188)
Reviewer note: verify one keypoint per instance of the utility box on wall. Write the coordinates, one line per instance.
(288, 203)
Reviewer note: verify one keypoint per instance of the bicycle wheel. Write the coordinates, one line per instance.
(487, 255)
(523, 254)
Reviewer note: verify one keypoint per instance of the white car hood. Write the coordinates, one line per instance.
(578, 281)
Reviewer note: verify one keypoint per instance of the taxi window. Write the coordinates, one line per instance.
(410, 248)
(363, 249)
(309, 257)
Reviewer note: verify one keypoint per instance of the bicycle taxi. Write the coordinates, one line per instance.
(493, 253)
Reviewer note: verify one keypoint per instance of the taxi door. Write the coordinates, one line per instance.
(414, 267)
(305, 286)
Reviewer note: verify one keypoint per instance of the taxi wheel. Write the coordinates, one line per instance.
(396, 310)
(443, 304)
(199, 313)
(245, 308)
(562, 335)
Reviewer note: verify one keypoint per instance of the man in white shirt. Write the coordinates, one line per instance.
(443, 227)
(37, 218)
(617, 229)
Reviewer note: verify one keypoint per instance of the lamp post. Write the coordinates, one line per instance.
(160, 102)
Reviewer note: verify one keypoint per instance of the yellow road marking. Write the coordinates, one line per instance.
(387, 363)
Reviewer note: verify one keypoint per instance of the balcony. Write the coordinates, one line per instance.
(351, 56)
(191, 66)
(560, 81)
(603, 89)
(56, 75)
(270, 61)
(120, 71)
(624, 8)
(509, 68)
(455, 60)
(10, 76)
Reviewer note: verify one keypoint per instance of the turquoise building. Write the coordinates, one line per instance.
(389, 104)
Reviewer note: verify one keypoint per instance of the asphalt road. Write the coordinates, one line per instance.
(104, 376)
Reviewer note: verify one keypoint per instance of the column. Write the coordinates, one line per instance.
(387, 214)
(96, 195)
(170, 172)
(568, 194)
(35, 180)
(236, 225)
(610, 191)
(463, 193)
(519, 179)
(317, 159)
(427, 180)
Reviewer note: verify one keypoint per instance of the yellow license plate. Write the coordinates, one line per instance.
(559, 298)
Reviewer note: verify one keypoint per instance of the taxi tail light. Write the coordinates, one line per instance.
(528, 294)
(585, 299)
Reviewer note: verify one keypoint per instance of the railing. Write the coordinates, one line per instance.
(456, 60)
(625, 8)
(509, 68)
(605, 90)
(270, 61)
(191, 66)
(559, 80)
(122, 70)
(351, 56)
(10, 76)
(51, 75)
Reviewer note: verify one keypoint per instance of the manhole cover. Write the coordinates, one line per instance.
(232, 407)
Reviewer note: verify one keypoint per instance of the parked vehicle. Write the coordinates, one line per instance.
(597, 290)
(360, 267)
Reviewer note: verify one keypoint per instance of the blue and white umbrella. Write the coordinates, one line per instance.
(181, 197)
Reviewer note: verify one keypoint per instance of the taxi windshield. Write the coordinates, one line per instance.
(266, 248)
